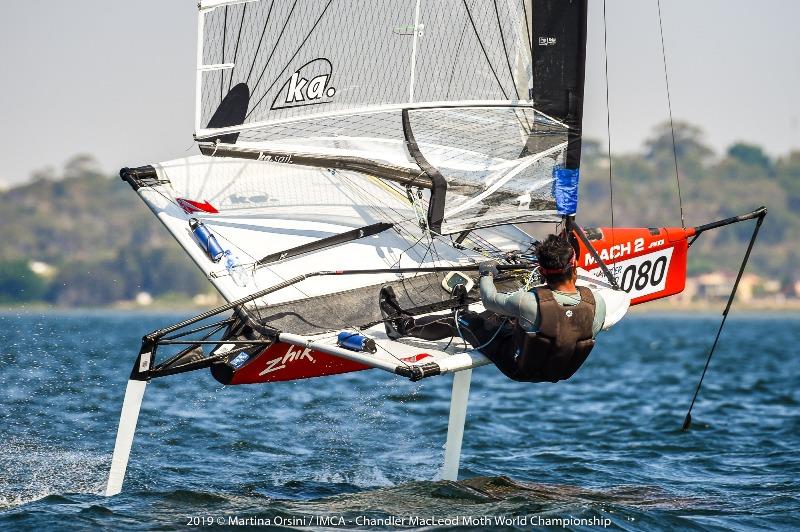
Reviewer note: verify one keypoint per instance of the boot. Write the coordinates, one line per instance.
(391, 312)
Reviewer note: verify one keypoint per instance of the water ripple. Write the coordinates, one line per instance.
(606, 445)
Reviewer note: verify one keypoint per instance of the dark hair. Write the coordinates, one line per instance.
(555, 258)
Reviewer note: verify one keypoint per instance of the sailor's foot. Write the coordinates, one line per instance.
(393, 319)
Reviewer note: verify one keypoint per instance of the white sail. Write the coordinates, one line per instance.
(342, 78)
(299, 59)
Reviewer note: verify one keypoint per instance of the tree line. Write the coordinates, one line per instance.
(105, 246)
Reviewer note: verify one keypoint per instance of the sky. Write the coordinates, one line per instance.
(116, 79)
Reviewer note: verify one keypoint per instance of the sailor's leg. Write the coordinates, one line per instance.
(484, 330)
(444, 326)
(430, 327)
(503, 355)
(455, 426)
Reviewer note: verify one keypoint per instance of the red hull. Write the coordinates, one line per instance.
(286, 362)
(649, 263)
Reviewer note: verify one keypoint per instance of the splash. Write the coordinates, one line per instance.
(34, 469)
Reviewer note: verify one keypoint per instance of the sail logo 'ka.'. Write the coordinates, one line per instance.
(306, 88)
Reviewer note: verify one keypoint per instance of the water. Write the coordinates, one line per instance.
(365, 447)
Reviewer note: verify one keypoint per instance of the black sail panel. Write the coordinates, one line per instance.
(559, 65)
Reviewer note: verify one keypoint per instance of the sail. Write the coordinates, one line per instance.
(436, 89)
(299, 59)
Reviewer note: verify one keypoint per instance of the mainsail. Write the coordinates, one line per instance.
(443, 90)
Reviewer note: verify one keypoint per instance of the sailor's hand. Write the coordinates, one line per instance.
(488, 268)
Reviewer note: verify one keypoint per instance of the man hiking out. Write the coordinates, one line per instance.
(544, 334)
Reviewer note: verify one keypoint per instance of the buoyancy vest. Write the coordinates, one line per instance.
(563, 341)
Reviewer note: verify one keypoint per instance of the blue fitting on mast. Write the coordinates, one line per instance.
(565, 189)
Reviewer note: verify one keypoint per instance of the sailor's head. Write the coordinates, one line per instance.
(557, 260)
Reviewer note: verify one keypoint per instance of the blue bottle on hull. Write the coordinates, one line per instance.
(206, 240)
(356, 342)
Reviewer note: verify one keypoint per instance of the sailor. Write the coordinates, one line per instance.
(544, 334)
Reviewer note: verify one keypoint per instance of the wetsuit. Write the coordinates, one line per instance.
(493, 332)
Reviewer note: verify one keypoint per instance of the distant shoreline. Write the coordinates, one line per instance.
(701, 307)
(655, 307)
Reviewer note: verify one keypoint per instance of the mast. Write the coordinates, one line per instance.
(559, 68)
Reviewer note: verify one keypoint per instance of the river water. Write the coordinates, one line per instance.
(363, 450)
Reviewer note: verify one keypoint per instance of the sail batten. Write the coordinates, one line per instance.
(206, 133)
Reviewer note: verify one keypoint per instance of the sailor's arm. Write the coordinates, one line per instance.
(498, 302)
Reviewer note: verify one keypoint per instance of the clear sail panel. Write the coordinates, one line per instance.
(281, 59)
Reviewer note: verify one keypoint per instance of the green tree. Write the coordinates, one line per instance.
(19, 284)
(787, 172)
(750, 155)
(691, 151)
(82, 165)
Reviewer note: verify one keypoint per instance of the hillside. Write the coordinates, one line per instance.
(102, 240)
(713, 187)
(105, 246)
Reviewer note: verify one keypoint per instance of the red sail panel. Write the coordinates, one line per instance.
(648, 263)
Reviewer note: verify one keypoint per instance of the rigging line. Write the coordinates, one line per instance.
(687, 421)
(260, 40)
(291, 58)
(429, 249)
(224, 34)
(380, 213)
(400, 257)
(503, 41)
(271, 54)
(671, 122)
(608, 123)
(380, 209)
(391, 354)
(382, 205)
(485, 53)
(527, 29)
(359, 191)
(458, 52)
(163, 195)
(236, 48)
(399, 220)
(510, 70)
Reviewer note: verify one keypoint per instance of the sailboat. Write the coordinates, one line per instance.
(347, 147)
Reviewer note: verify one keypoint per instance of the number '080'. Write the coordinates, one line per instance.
(647, 273)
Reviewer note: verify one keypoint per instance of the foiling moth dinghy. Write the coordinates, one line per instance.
(344, 155)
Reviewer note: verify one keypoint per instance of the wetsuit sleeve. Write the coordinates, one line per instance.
(517, 305)
(599, 312)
